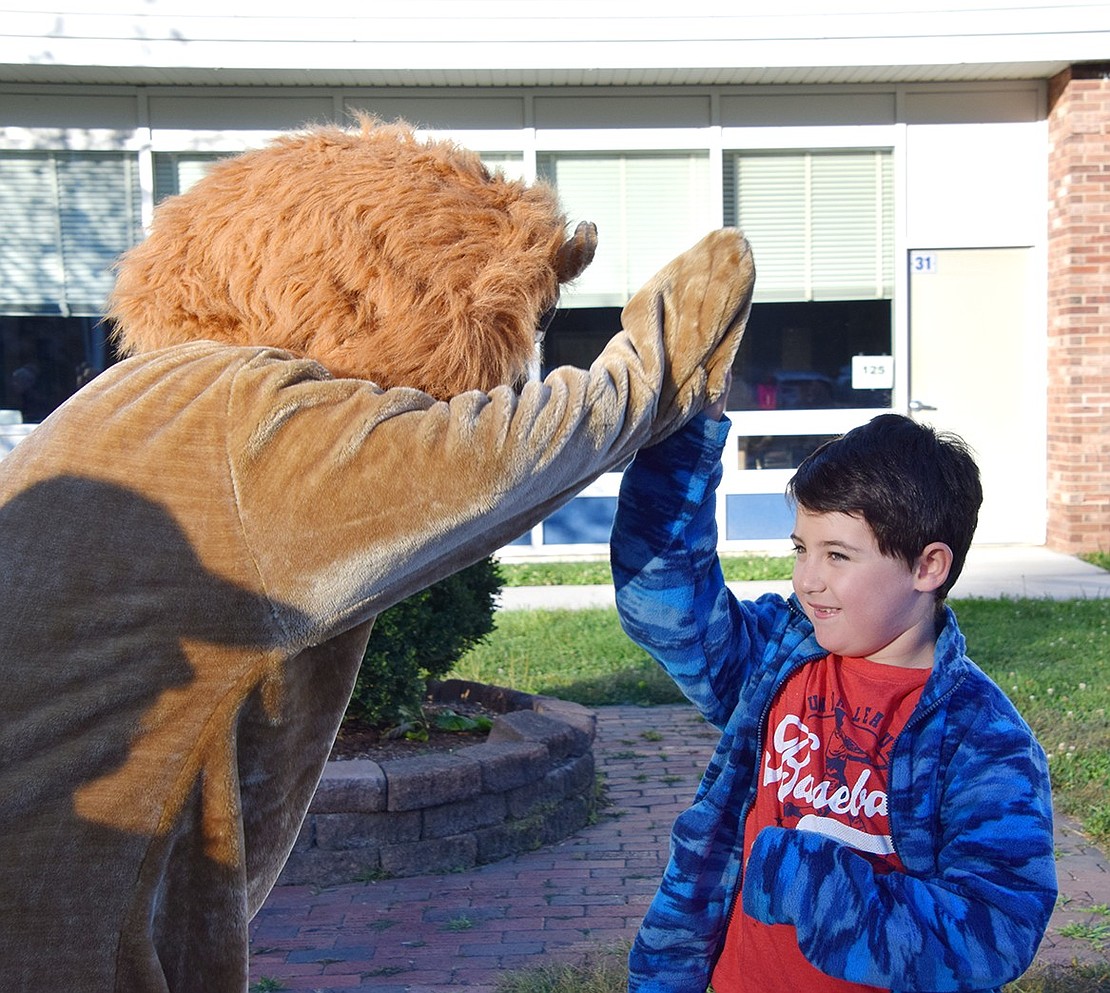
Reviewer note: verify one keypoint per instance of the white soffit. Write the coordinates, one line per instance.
(480, 43)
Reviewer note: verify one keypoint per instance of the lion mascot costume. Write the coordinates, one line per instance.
(324, 407)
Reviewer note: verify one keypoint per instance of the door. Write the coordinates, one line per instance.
(977, 358)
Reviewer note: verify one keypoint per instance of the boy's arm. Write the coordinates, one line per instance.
(974, 923)
(670, 592)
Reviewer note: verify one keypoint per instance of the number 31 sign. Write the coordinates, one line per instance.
(923, 263)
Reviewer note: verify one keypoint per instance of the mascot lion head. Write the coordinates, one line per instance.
(379, 255)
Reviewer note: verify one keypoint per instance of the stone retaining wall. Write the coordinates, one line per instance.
(531, 783)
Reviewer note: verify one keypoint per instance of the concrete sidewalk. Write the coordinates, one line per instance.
(446, 933)
(991, 571)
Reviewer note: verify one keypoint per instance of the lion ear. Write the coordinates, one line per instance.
(576, 252)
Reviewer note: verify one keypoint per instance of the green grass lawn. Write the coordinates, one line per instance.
(1101, 559)
(1051, 657)
(1053, 660)
(735, 567)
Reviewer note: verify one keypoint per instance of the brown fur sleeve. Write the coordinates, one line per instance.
(352, 498)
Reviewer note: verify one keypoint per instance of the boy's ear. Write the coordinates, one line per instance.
(933, 566)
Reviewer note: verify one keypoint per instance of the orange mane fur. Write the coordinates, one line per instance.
(380, 256)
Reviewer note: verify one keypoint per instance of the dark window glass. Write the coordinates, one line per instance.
(782, 451)
(795, 356)
(577, 335)
(44, 360)
(798, 356)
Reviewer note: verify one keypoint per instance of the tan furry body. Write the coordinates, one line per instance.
(195, 547)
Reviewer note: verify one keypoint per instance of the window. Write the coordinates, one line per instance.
(821, 225)
(175, 172)
(799, 356)
(648, 207)
(44, 359)
(777, 451)
(511, 164)
(67, 217)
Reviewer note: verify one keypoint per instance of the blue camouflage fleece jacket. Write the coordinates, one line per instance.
(968, 795)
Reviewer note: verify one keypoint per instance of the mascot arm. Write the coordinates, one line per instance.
(352, 498)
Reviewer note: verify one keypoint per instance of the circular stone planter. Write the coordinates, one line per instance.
(531, 783)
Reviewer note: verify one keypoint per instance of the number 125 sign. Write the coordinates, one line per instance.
(872, 372)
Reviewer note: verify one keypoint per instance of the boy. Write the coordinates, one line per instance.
(876, 814)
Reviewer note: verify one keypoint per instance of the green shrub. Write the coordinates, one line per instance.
(420, 638)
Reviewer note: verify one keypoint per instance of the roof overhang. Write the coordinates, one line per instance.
(100, 75)
(505, 43)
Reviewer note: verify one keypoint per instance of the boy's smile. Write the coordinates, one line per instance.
(862, 603)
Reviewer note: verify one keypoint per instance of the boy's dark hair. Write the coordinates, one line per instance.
(912, 485)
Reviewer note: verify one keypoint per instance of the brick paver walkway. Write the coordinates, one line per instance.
(437, 934)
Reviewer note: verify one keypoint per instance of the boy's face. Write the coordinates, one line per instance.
(862, 603)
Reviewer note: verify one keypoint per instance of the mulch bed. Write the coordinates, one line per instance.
(360, 741)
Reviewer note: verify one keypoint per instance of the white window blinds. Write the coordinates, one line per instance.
(175, 172)
(66, 217)
(510, 164)
(821, 223)
(648, 207)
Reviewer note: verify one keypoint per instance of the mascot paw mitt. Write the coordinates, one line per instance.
(321, 411)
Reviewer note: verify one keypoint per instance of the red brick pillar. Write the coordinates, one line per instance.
(1079, 309)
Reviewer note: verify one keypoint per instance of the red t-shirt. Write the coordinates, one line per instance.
(825, 765)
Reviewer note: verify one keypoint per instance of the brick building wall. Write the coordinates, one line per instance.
(1079, 310)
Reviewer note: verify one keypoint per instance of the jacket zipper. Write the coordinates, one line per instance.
(761, 727)
(916, 718)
